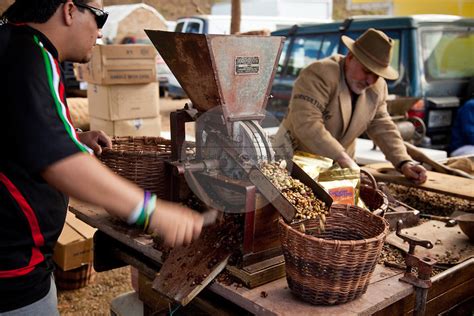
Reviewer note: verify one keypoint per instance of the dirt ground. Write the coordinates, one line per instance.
(95, 298)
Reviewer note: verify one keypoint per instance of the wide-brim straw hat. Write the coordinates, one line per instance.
(374, 50)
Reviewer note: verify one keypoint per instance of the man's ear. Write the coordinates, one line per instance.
(68, 11)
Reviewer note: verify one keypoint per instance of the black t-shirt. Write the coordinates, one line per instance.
(35, 132)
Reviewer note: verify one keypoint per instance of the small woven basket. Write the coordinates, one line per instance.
(334, 266)
(75, 278)
(375, 199)
(140, 160)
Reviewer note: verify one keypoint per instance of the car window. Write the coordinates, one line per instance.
(281, 62)
(194, 27)
(447, 54)
(329, 45)
(304, 51)
(179, 27)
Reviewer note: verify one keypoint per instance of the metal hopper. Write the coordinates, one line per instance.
(233, 72)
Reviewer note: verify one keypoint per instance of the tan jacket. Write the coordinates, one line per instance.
(320, 119)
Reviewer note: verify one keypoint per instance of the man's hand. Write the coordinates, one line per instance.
(176, 224)
(95, 140)
(346, 162)
(414, 172)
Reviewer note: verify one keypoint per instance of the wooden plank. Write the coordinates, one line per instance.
(260, 273)
(266, 231)
(456, 280)
(261, 233)
(384, 289)
(437, 182)
(189, 269)
(444, 239)
(115, 228)
(450, 298)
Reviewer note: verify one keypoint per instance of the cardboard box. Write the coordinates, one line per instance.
(122, 64)
(134, 127)
(80, 71)
(122, 102)
(75, 245)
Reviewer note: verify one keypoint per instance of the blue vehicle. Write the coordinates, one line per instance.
(175, 91)
(433, 54)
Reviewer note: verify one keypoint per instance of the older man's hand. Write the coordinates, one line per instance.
(414, 172)
(345, 161)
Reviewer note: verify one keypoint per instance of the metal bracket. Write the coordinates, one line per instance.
(424, 265)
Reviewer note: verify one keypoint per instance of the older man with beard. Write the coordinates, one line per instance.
(338, 98)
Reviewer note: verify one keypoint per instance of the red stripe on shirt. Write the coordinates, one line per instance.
(62, 91)
(38, 239)
(27, 210)
(36, 257)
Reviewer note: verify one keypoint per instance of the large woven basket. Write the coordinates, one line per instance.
(140, 160)
(334, 266)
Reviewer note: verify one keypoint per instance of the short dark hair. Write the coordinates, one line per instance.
(37, 11)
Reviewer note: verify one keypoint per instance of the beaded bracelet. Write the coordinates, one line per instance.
(141, 218)
(150, 208)
(132, 219)
(142, 213)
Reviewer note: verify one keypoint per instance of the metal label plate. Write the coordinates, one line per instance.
(247, 65)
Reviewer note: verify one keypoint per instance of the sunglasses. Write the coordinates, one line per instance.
(100, 15)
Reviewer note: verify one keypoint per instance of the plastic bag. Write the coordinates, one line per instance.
(342, 184)
(312, 164)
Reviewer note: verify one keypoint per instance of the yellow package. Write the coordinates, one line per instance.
(312, 164)
(341, 184)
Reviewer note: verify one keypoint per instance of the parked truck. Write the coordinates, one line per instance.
(432, 53)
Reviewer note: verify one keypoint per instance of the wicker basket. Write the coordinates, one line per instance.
(140, 160)
(74, 279)
(334, 266)
(375, 199)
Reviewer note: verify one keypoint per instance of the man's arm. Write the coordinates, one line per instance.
(383, 131)
(345, 161)
(84, 177)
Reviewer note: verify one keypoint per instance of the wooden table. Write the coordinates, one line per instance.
(274, 298)
(437, 182)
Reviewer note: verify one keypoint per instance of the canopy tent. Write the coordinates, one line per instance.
(129, 20)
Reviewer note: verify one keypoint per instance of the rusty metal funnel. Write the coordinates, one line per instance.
(234, 72)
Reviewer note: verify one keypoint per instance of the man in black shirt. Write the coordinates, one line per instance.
(44, 160)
